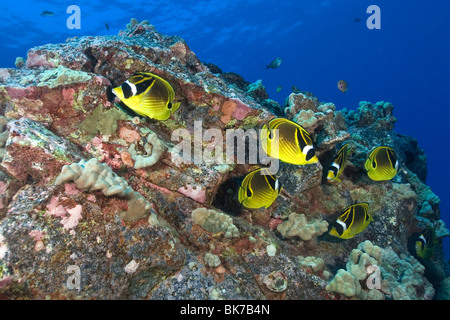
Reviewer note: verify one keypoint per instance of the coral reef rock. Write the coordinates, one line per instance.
(94, 204)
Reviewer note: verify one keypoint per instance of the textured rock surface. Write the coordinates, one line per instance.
(57, 110)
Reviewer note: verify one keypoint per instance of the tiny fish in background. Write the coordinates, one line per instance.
(382, 164)
(279, 89)
(353, 220)
(47, 13)
(274, 64)
(342, 85)
(259, 189)
(357, 20)
(295, 90)
(426, 243)
(107, 26)
(148, 95)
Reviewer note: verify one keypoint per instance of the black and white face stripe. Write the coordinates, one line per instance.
(130, 89)
(301, 142)
(334, 168)
(273, 182)
(423, 240)
(340, 227)
(309, 152)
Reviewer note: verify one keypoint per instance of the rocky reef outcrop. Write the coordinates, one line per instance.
(138, 224)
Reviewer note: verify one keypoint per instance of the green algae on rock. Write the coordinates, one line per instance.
(61, 76)
(103, 122)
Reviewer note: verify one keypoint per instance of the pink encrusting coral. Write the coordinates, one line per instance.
(274, 222)
(36, 59)
(68, 94)
(69, 216)
(37, 235)
(195, 193)
(241, 110)
(55, 209)
(71, 189)
(70, 221)
(130, 136)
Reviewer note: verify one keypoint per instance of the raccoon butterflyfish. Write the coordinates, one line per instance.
(382, 164)
(353, 220)
(337, 167)
(342, 85)
(148, 95)
(295, 145)
(426, 243)
(259, 189)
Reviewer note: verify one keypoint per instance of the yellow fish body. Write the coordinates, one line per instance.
(259, 189)
(352, 221)
(148, 95)
(382, 164)
(337, 167)
(426, 243)
(295, 145)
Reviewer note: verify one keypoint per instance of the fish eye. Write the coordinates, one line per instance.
(270, 134)
(374, 164)
(169, 105)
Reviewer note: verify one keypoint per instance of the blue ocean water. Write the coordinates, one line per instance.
(406, 62)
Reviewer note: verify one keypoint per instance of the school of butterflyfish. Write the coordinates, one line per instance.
(152, 96)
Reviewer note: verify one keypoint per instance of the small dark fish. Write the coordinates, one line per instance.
(107, 26)
(357, 20)
(47, 14)
(295, 90)
(342, 85)
(274, 64)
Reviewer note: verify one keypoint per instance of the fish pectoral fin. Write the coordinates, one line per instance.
(175, 106)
